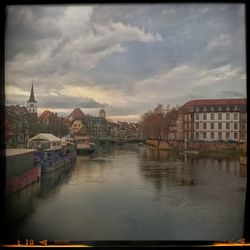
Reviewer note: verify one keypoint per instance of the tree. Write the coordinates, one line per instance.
(157, 124)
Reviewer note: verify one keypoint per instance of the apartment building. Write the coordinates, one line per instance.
(213, 120)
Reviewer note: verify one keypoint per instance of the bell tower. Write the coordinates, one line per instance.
(32, 103)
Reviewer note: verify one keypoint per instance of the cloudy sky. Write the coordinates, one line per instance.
(125, 58)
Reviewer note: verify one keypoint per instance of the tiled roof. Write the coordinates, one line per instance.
(77, 113)
(45, 115)
(203, 102)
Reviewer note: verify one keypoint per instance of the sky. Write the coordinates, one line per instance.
(123, 58)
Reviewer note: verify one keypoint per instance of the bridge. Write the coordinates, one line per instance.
(104, 140)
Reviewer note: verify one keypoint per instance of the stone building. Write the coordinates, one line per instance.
(213, 120)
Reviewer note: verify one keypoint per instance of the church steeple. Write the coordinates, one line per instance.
(32, 103)
(32, 97)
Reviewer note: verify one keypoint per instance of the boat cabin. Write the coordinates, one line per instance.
(44, 141)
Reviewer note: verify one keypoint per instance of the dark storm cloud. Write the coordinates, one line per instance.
(68, 102)
(27, 27)
(204, 36)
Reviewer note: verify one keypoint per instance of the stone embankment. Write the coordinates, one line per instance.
(197, 146)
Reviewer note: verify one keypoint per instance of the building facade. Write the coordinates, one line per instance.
(102, 114)
(97, 126)
(213, 120)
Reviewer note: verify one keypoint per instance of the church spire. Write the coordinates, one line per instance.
(32, 97)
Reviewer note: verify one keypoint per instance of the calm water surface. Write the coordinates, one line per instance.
(128, 192)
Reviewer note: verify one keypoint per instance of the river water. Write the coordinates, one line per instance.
(132, 192)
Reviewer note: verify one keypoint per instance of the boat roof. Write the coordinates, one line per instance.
(45, 136)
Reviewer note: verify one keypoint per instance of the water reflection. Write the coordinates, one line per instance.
(19, 204)
(127, 192)
(52, 181)
(168, 168)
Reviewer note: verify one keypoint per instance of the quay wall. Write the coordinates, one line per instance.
(198, 146)
(21, 170)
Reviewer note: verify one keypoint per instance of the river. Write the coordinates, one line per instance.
(132, 192)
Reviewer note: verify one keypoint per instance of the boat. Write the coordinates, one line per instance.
(85, 145)
(52, 152)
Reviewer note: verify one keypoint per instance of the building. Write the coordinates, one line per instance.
(79, 126)
(97, 126)
(76, 114)
(32, 103)
(213, 120)
(102, 114)
(17, 126)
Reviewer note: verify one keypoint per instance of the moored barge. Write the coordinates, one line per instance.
(52, 152)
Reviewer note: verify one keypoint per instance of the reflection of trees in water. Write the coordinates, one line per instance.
(165, 168)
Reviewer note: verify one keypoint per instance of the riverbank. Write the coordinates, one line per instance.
(202, 147)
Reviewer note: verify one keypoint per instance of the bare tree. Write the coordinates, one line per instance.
(158, 123)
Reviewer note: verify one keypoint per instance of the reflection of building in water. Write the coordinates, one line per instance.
(53, 179)
(164, 168)
(19, 204)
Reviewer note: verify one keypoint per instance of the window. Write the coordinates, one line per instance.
(235, 116)
(212, 125)
(212, 108)
(235, 108)
(212, 135)
(31, 105)
(205, 109)
(227, 136)
(243, 126)
(243, 137)
(219, 108)
(204, 116)
(219, 125)
(235, 125)
(220, 116)
(204, 126)
(236, 136)
(197, 116)
(197, 125)
(204, 135)
(197, 135)
(212, 116)
(227, 116)
(197, 109)
(227, 125)
(228, 108)
(219, 135)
